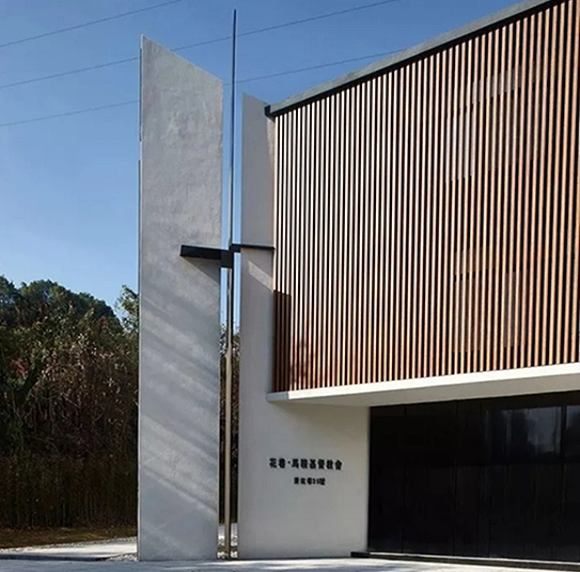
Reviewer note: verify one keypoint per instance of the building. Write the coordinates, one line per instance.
(409, 346)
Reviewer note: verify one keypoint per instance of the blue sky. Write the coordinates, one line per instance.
(69, 185)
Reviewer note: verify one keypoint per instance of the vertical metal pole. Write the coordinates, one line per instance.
(230, 322)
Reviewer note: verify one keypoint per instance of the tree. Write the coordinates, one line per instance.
(68, 395)
(128, 306)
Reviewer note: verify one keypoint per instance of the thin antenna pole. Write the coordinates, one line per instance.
(230, 320)
(232, 127)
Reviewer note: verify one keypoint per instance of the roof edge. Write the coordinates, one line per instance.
(391, 61)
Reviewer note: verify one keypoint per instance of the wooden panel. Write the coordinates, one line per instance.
(573, 262)
(427, 220)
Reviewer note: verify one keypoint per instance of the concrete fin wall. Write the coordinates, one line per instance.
(180, 203)
(279, 517)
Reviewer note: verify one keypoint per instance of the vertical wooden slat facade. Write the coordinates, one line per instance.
(428, 217)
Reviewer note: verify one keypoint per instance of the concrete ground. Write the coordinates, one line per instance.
(318, 565)
(119, 556)
(88, 551)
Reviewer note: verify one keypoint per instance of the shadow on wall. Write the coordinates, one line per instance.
(283, 373)
(179, 433)
(296, 365)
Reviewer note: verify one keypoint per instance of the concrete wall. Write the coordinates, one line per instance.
(278, 518)
(181, 166)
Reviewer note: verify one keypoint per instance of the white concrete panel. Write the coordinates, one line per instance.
(278, 518)
(180, 202)
(257, 173)
(501, 383)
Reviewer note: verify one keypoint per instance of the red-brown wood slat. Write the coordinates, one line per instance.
(427, 219)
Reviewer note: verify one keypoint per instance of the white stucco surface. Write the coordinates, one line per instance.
(278, 518)
(257, 174)
(180, 203)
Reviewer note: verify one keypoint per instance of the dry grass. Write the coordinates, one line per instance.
(38, 537)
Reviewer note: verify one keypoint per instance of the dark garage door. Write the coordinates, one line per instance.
(487, 478)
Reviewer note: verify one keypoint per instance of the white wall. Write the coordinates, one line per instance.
(181, 166)
(278, 518)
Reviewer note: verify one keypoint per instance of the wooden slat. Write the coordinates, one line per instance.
(335, 192)
(281, 365)
(477, 276)
(325, 324)
(471, 126)
(311, 249)
(374, 254)
(383, 236)
(338, 248)
(430, 198)
(414, 208)
(349, 183)
(292, 254)
(575, 184)
(548, 154)
(457, 212)
(380, 247)
(566, 34)
(493, 80)
(355, 238)
(338, 317)
(460, 111)
(447, 221)
(540, 329)
(279, 178)
(463, 206)
(391, 213)
(341, 217)
(526, 158)
(285, 241)
(558, 210)
(318, 230)
(286, 253)
(398, 190)
(501, 263)
(485, 226)
(364, 230)
(420, 293)
(295, 255)
(453, 157)
(305, 335)
(405, 239)
(533, 190)
(513, 223)
(305, 189)
(441, 265)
